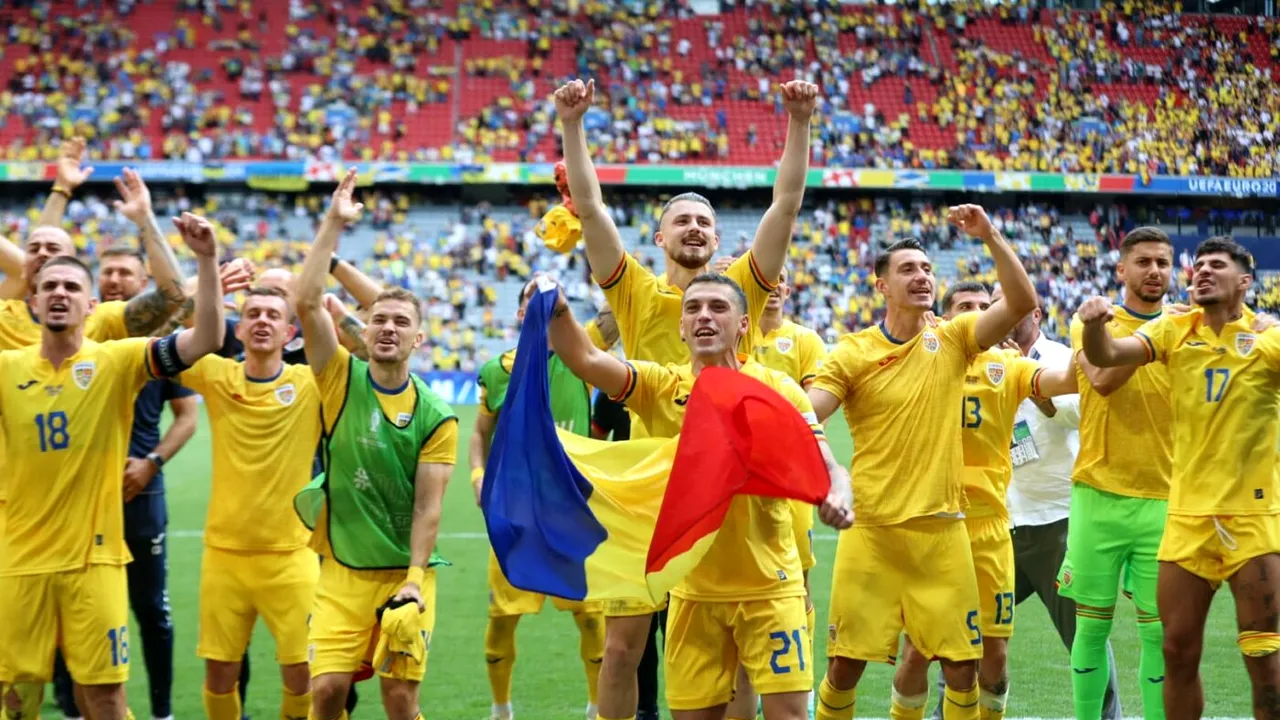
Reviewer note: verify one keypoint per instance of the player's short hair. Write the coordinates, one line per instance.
(1143, 235)
(965, 286)
(69, 261)
(882, 260)
(739, 297)
(688, 196)
(1224, 244)
(266, 291)
(120, 251)
(396, 293)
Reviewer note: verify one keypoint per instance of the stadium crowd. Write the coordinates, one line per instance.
(917, 85)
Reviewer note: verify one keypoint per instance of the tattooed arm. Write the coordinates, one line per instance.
(147, 312)
(350, 328)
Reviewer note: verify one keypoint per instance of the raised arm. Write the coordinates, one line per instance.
(207, 334)
(604, 244)
(995, 322)
(69, 176)
(575, 349)
(317, 325)
(1102, 350)
(362, 288)
(234, 276)
(350, 328)
(12, 261)
(147, 312)
(773, 235)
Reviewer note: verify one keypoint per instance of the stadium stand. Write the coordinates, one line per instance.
(917, 85)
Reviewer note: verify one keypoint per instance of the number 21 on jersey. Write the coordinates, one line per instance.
(52, 429)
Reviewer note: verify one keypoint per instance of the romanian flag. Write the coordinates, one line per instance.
(586, 519)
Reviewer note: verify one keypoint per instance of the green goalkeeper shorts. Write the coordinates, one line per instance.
(1112, 540)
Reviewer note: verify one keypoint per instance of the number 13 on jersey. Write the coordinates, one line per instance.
(52, 429)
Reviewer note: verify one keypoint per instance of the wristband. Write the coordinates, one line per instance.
(415, 576)
(61, 191)
(333, 263)
(477, 475)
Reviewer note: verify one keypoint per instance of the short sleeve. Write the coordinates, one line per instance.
(1025, 374)
(1077, 334)
(597, 338)
(132, 358)
(1269, 346)
(800, 401)
(962, 331)
(442, 447)
(811, 354)
(838, 371)
(746, 273)
(645, 382)
(106, 322)
(1156, 335)
(628, 290)
(332, 384)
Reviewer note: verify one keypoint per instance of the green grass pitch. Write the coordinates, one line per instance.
(549, 683)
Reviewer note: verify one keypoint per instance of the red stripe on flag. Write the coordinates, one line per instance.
(740, 438)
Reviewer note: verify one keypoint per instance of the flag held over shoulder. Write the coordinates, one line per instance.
(586, 519)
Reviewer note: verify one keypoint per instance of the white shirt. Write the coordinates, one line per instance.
(1041, 489)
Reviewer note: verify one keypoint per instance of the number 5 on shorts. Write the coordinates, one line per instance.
(787, 642)
(119, 638)
(971, 620)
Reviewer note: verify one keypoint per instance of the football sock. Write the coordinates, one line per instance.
(591, 648)
(1090, 672)
(312, 715)
(991, 705)
(501, 712)
(294, 707)
(221, 707)
(835, 704)
(1151, 665)
(907, 707)
(960, 704)
(629, 717)
(500, 656)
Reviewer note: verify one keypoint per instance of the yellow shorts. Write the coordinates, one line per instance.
(631, 608)
(992, 548)
(916, 576)
(1215, 548)
(706, 641)
(85, 612)
(344, 620)
(238, 586)
(802, 524)
(506, 600)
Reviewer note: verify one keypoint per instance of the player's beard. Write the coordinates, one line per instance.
(691, 258)
(57, 326)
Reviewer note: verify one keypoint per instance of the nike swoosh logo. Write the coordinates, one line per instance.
(1083, 671)
(1156, 680)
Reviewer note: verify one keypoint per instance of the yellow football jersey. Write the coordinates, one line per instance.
(793, 350)
(19, 327)
(67, 432)
(900, 400)
(648, 312)
(399, 404)
(996, 383)
(1226, 413)
(265, 434)
(1142, 419)
(754, 556)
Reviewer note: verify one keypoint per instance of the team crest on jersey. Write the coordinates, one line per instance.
(995, 372)
(1245, 343)
(931, 341)
(285, 394)
(82, 373)
(784, 345)
(375, 419)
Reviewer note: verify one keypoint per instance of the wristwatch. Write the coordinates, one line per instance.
(156, 459)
